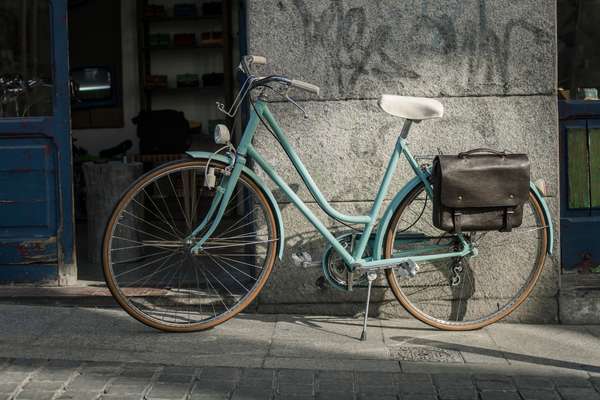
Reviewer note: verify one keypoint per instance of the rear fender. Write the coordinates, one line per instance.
(260, 183)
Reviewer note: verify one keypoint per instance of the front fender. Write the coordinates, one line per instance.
(405, 191)
(260, 183)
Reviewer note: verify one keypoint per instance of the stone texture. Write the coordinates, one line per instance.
(355, 48)
(576, 308)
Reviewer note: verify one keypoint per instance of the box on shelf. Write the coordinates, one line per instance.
(184, 39)
(212, 38)
(156, 81)
(185, 10)
(155, 11)
(188, 80)
(160, 40)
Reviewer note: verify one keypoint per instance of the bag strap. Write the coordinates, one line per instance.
(482, 150)
(509, 213)
(457, 216)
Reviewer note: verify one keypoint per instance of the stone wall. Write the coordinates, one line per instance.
(490, 62)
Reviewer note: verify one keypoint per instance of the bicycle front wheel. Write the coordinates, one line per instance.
(465, 293)
(148, 263)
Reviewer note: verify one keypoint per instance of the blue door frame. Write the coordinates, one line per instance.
(36, 197)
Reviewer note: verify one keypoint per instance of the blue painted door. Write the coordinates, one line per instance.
(36, 200)
(580, 186)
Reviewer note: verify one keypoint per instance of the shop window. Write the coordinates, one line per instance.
(579, 58)
(25, 59)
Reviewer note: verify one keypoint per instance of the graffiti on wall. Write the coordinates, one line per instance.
(358, 48)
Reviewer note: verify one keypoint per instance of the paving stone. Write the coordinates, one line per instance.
(596, 383)
(176, 378)
(375, 397)
(78, 396)
(124, 389)
(101, 368)
(335, 375)
(453, 381)
(34, 386)
(458, 393)
(168, 391)
(139, 372)
(578, 393)
(417, 396)
(121, 397)
(8, 387)
(413, 378)
(214, 384)
(296, 377)
(533, 382)
(210, 396)
(14, 376)
(499, 395)
(259, 385)
(22, 365)
(335, 395)
(175, 370)
(206, 393)
(537, 394)
(250, 374)
(35, 395)
(572, 382)
(376, 378)
(501, 383)
(225, 374)
(254, 395)
(378, 389)
(88, 383)
(297, 390)
(124, 380)
(59, 374)
(417, 387)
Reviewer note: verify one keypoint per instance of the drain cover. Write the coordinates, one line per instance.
(426, 353)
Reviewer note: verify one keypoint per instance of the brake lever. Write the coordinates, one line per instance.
(288, 98)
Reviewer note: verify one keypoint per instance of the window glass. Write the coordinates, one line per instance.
(579, 49)
(25, 59)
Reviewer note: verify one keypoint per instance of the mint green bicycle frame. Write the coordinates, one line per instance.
(354, 260)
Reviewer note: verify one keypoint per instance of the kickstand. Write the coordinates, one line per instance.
(371, 276)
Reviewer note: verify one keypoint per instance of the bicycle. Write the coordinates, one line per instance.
(191, 243)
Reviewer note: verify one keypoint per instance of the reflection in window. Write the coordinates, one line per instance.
(578, 51)
(25, 58)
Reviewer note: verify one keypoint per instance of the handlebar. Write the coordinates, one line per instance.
(309, 87)
(247, 61)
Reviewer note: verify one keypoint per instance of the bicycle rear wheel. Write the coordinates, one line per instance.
(465, 293)
(148, 264)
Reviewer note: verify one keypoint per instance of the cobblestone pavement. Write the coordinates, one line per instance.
(25, 379)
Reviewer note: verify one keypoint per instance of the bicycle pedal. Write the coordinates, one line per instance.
(304, 260)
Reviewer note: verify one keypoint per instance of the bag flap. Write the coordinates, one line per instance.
(483, 180)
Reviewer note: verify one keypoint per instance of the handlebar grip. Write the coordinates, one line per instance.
(258, 60)
(309, 87)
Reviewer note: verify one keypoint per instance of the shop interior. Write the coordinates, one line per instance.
(147, 78)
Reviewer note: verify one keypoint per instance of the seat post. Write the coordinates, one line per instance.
(405, 128)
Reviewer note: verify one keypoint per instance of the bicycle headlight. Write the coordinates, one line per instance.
(222, 135)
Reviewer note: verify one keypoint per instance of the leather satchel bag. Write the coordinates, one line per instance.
(479, 190)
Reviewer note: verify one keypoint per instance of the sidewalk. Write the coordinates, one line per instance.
(289, 357)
